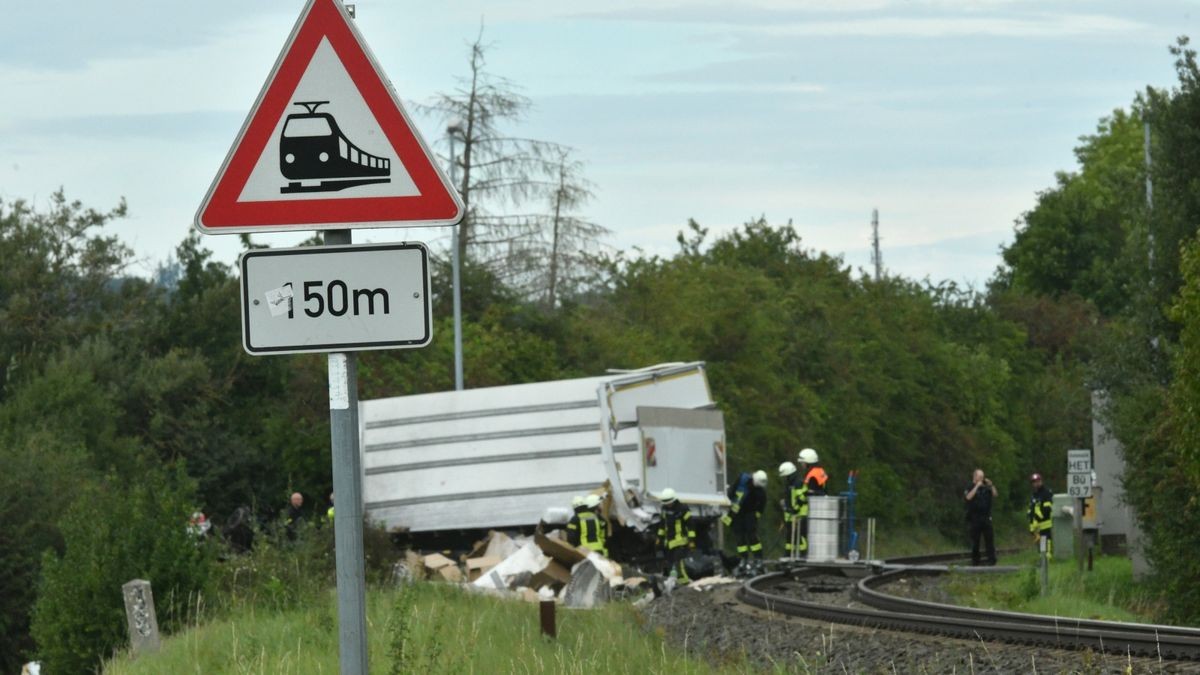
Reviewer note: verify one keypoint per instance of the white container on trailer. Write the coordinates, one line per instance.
(500, 456)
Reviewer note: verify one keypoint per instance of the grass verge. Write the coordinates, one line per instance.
(1108, 592)
(423, 627)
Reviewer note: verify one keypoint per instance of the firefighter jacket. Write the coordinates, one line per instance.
(593, 532)
(746, 499)
(813, 486)
(793, 498)
(573, 526)
(1041, 510)
(676, 528)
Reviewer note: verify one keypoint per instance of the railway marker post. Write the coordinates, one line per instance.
(1079, 486)
(328, 146)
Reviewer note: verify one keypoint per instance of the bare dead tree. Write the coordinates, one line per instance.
(497, 173)
(571, 239)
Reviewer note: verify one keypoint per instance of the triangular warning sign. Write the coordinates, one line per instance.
(327, 145)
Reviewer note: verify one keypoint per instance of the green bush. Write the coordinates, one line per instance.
(280, 574)
(113, 533)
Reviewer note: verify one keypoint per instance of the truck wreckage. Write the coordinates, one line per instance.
(510, 459)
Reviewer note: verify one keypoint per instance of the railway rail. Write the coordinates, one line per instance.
(883, 610)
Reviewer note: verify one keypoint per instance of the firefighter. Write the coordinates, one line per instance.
(791, 507)
(748, 498)
(573, 524)
(812, 485)
(1041, 510)
(676, 534)
(593, 529)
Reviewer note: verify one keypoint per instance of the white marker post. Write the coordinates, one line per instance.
(348, 511)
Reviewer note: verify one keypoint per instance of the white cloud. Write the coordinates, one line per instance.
(1039, 26)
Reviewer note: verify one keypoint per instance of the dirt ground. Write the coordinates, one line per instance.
(714, 625)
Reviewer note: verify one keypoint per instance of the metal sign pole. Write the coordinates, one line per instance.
(348, 510)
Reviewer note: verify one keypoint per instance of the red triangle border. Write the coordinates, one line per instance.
(436, 203)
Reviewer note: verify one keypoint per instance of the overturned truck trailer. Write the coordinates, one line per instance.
(500, 457)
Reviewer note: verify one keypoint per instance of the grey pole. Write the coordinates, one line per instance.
(453, 130)
(348, 507)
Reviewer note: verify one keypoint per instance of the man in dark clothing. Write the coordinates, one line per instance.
(748, 499)
(979, 496)
(1041, 511)
(295, 514)
(676, 533)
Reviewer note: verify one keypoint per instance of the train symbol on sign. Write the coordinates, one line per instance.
(313, 148)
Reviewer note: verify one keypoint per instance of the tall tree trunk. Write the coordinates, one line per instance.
(558, 200)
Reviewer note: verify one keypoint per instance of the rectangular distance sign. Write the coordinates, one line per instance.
(335, 298)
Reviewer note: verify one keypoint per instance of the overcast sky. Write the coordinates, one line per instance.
(946, 115)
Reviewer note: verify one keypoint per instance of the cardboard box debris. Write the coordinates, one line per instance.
(560, 550)
(526, 562)
(477, 567)
(555, 574)
(495, 545)
(450, 573)
(436, 561)
(415, 564)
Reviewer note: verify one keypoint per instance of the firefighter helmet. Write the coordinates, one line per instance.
(809, 456)
(667, 496)
(786, 469)
(591, 501)
(1035, 477)
(759, 478)
(576, 501)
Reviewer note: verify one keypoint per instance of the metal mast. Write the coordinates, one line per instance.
(876, 255)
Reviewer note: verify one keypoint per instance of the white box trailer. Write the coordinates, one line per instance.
(501, 456)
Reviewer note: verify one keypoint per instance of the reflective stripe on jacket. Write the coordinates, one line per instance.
(676, 529)
(592, 532)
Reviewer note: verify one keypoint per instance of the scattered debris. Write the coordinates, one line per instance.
(477, 567)
(529, 560)
(708, 582)
(587, 588)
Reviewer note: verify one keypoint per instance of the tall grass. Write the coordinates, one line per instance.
(421, 628)
(1108, 592)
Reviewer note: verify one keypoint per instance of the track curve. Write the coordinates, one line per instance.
(905, 614)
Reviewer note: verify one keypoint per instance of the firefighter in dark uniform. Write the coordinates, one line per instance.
(573, 524)
(593, 529)
(812, 485)
(792, 495)
(1041, 512)
(748, 499)
(676, 534)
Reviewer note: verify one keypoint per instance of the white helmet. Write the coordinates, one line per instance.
(786, 469)
(667, 496)
(576, 501)
(760, 478)
(591, 501)
(809, 456)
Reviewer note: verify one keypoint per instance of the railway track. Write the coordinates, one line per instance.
(883, 610)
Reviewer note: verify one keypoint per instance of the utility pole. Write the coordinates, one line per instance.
(1149, 186)
(876, 254)
(453, 131)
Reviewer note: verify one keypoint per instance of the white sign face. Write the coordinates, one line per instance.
(359, 162)
(1080, 491)
(1079, 461)
(335, 298)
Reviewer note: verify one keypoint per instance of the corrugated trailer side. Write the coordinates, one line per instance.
(500, 456)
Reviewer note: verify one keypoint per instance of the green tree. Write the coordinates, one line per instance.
(115, 532)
